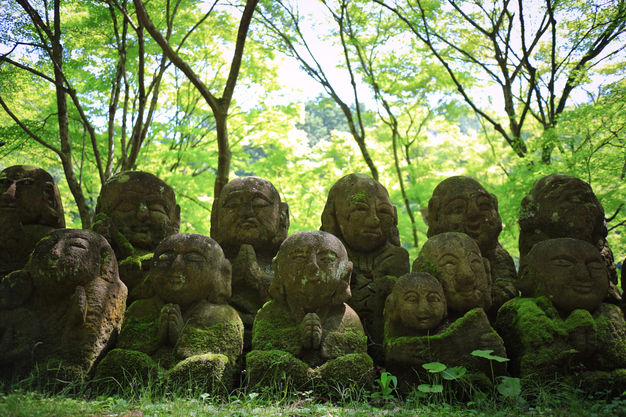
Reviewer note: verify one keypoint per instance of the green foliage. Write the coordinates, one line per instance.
(387, 384)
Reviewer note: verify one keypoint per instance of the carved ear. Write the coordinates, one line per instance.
(224, 288)
(284, 216)
(177, 218)
(329, 220)
(108, 264)
(343, 293)
(277, 289)
(487, 265)
(495, 200)
(525, 282)
(390, 308)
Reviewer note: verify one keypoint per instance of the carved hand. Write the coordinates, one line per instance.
(171, 324)
(311, 331)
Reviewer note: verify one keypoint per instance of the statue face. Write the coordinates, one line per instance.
(187, 268)
(249, 213)
(365, 216)
(571, 272)
(313, 266)
(466, 207)
(420, 302)
(142, 207)
(65, 259)
(29, 192)
(463, 275)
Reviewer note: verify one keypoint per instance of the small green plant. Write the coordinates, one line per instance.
(388, 384)
(508, 387)
(440, 373)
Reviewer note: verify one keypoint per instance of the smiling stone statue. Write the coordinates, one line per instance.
(30, 208)
(359, 212)
(308, 331)
(560, 326)
(135, 212)
(461, 204)
(252, 222)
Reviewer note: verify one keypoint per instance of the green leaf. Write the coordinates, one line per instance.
(434, 367)
(436, 388)
(487, 354)
(453, 373)
(510, 387)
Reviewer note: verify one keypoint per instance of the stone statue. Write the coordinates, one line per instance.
(308, 331)
(455, 260)
(135, 212)
(30, 208)
(416, 307)
(70, 309)
(187, 328)
(252, 222)
(565, 329)
(415, 334)
(560, 205)
(359, 212)
(461, 204)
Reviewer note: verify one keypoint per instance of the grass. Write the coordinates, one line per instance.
(32, 397)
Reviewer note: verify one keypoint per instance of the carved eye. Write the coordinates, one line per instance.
(259, 202)
(126, 207)
(411, 298)
(157, 207)
(434, 298)
(484, 204)
(27, 181)
(456, 206)
(561, 263)
(194, 257)
(165, 259)
(447, 261)
(385, 209)
(596, 266)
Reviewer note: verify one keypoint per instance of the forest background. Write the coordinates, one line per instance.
(305, 92)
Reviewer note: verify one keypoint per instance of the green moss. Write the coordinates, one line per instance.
(349, 341)
(214, 372)
(123, 365)
(357, 198)
(222, 338)
(276, 331)
(140, 329)
(275, 367)
(427, 266)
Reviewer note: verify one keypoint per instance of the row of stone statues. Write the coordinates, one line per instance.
(315, 305)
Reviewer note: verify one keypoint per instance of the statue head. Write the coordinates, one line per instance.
(250, 212)
(142, 207)
(312, 272)
(570, 272)
(560, 205)
(189, 267)
(455, 260)
(359, 212)
(67, 258)
(31, 194)
(416, 305)
(460, 204)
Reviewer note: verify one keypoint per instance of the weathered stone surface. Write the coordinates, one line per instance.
(135, 212)
(416, 307)
(359, 212)
(461, 204)
(30, 208)
(566, 330)
(455, 260)
(452, 346)
(252, 222)
(72, 306)
(308, 327)
(560, 205)
(187, 327)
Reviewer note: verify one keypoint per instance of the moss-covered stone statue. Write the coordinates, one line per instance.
(252, 222)
(560, 327)
(455, 260)
(560, 205)
(461, 204)
(135, 212)
(308, 332)
(416, 334)
(187, 328)
(64, 308)
(30, 208)
(359, 212)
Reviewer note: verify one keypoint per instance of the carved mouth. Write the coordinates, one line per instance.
(249, 224)
(582, 288)
(371, 232)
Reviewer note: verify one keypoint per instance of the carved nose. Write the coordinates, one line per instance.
(312, 267)
(580, 273)
(464, 274)
(246, 210)
(143, 213)
(178, 263)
